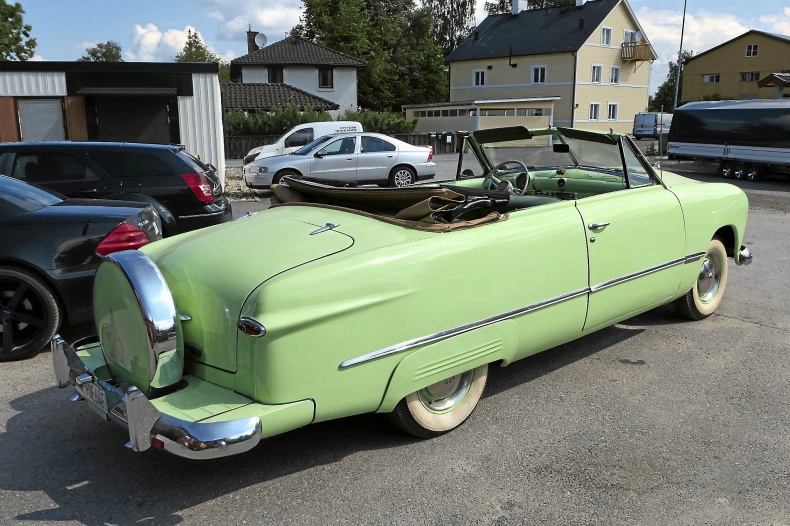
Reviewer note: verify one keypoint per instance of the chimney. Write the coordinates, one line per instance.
(516, 7)
(581, 24)
(251, 45)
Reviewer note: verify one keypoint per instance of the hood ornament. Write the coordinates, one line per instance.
(328, 226)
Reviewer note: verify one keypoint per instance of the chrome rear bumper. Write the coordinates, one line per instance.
(146, 424)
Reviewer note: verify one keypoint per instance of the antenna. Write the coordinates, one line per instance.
(260, 40)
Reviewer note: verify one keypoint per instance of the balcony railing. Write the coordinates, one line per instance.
(636, 51)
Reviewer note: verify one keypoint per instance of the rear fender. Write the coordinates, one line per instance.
(169, 224)
(438, 361)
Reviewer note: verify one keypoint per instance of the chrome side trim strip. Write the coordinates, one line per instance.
(432, 338)
(209, 214)
(629, 277)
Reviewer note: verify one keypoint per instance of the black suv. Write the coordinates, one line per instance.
(186, 193)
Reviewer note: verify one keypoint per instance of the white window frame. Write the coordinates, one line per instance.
(606, 36)
(597, 107)
(538, 68)
(615, 78)
(599, 69)
(612, 115)
(478, 78)
(331, 85)
(751, 50)
(629, 35)
(711, 78)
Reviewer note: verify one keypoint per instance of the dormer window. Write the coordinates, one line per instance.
(326, 79)
(275, 74)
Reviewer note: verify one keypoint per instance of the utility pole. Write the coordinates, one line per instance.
(680, 57)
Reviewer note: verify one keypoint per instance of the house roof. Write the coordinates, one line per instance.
(268, 96)
(534, 32)
(775, 79)
(294, 50)
(784, 38)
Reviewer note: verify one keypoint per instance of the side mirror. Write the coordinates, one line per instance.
(561, 148)
(467, 174)
(212, 167)
(320, 153)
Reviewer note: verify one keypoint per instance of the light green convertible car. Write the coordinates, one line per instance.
(341, 301)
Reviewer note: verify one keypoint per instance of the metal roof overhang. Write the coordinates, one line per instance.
(128, 91)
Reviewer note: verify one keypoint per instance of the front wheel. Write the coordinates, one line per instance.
(29, 314)
(706, 294)
(441, 407)
(402, 176)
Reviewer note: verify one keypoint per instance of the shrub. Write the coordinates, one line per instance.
(274, 122)
(381, 122)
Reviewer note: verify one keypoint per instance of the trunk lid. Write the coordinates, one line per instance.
(211, 272)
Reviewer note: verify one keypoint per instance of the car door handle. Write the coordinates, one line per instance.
(597, 226)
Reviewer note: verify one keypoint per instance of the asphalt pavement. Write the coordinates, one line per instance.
(654, 421)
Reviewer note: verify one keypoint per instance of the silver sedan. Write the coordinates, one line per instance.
(347, 159)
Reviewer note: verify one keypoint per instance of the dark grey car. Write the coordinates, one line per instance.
(186, 193)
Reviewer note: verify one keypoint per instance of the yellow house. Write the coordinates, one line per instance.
(588, 64)
(733, 70)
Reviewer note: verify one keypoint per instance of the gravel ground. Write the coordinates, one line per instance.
(234, 185)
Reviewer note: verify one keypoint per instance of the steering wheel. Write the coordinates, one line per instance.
(503, 166)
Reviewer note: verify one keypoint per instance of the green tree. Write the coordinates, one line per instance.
(15, 41)
(665, 94)
(452, 21)
(404, 65)
(109, 51)
(195, 50)
(497, 7)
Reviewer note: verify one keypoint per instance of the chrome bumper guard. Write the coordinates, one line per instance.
(745, 256)
(146, 424)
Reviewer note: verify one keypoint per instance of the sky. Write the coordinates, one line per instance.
(155, 30)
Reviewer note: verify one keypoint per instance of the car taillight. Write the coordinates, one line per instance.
(122, 237)
(200, 186)
(430, 154)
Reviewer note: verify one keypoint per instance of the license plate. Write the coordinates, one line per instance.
(95, 395)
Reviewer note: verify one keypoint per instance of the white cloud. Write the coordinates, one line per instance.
(273, 18)
(152, 44)
(703, 31)
(779, 23)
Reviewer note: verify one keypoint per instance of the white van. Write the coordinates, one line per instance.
(300, 135)
(651, 124)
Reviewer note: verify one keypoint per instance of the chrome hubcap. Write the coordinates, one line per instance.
(709, 278)
(445, 395)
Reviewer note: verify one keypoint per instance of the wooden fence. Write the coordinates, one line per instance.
(237, 146)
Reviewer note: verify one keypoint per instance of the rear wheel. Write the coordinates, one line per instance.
(739, 171)
(441, 407)
(29, 314)
(753, 172)
(402, 176)
(726, 170)
(706, 294)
